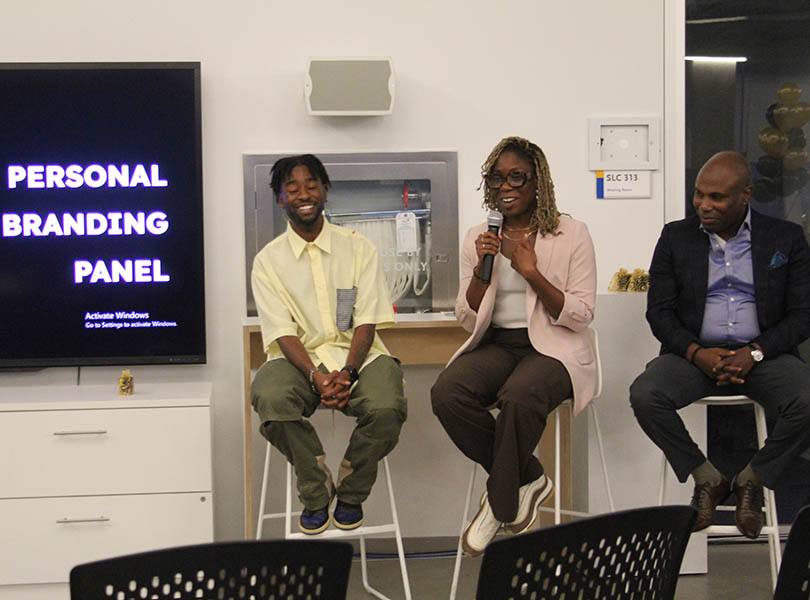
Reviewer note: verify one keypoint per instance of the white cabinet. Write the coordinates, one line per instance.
(88, 474)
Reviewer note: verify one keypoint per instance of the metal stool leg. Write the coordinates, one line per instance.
(557, 482)
(288, 511)
(262, 517)
(263, 498)
(663, 484)
(771, 520)
(400, 549)
(459, 551)
(592, 410)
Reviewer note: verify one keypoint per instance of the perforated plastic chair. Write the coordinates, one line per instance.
(558, 511)
(771, 528)
(260, 570)
(361, 532)
(793, 582)
(629, 554)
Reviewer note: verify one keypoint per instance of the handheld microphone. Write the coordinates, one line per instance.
(494, 222)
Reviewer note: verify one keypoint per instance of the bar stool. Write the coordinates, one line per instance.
(361, 532)
(557, 510)
(771, 528)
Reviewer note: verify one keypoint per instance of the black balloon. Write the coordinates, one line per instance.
(796, 138)
(765, 190)
(769, 114)
(769, 166)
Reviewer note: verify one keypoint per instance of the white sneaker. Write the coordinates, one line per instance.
(530, 497)
(481, 529)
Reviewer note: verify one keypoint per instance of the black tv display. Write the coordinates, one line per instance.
(101, 214)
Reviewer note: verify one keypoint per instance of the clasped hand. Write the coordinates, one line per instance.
(334, 388)
(723, 365)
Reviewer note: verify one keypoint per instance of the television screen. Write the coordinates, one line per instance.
(101, 215)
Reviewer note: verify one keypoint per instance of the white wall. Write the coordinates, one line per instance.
(468, 73)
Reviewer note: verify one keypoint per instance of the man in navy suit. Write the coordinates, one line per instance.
(729, 300)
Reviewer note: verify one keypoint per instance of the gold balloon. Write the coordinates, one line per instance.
(789, 93)
(781, 115)
(801, 113)
(773, 141)
(795, 158)
(788, 117)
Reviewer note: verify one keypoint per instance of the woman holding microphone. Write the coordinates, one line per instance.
(528, 349)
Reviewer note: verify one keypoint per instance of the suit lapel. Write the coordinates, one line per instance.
(760, 254)
(543, 249)
(698, 247)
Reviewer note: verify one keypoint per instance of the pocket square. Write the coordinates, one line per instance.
(777, 260)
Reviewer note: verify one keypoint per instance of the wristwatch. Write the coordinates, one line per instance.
(756, 353)
(353, 375)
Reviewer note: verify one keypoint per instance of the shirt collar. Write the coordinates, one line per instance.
(323, 242)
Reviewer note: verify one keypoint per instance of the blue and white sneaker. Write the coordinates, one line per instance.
(313, 522)
(348, 516)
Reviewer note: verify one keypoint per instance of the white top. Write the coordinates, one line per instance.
(510, 299)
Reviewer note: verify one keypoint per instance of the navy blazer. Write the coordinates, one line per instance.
(679, 276)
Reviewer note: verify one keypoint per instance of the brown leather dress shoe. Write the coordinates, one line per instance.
(748, 516)
(705, 499)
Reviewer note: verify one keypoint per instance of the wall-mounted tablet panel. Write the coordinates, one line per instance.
(617, 143)
(349, 86)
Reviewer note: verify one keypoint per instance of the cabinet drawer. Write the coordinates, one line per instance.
(43, 538)
(116, 451)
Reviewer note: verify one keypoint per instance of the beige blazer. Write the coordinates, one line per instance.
(566, 258)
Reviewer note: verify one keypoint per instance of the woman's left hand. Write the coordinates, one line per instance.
(524, 260)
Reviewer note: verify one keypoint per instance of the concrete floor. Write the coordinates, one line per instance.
(737, 571)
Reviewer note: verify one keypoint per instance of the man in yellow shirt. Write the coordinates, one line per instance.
(320, 295)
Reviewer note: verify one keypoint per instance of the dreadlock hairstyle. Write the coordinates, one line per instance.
(546, 217)
(284, 166)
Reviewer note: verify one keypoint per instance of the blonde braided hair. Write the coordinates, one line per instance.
(546, 217)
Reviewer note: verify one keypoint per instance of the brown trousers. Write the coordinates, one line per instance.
(507, 373)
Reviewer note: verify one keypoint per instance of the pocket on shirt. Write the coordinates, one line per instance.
(345, 308)
(584, 355)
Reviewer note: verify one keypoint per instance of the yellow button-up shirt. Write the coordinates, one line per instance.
(297, 283)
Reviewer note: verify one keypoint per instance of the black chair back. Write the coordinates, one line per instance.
(220, 571)
(628, 554)
(793, 582)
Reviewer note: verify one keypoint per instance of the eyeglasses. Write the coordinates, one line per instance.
(515, 179)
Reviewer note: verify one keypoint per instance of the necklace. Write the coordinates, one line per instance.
(517, 228)
(518, 239)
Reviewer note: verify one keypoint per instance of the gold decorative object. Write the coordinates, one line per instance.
(126, 383)
(639, 281)
(624, 281)
(619, 281)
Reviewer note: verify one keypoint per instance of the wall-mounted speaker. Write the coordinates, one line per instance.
(349, 86)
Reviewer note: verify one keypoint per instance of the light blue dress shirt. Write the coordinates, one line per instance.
(731, 309)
